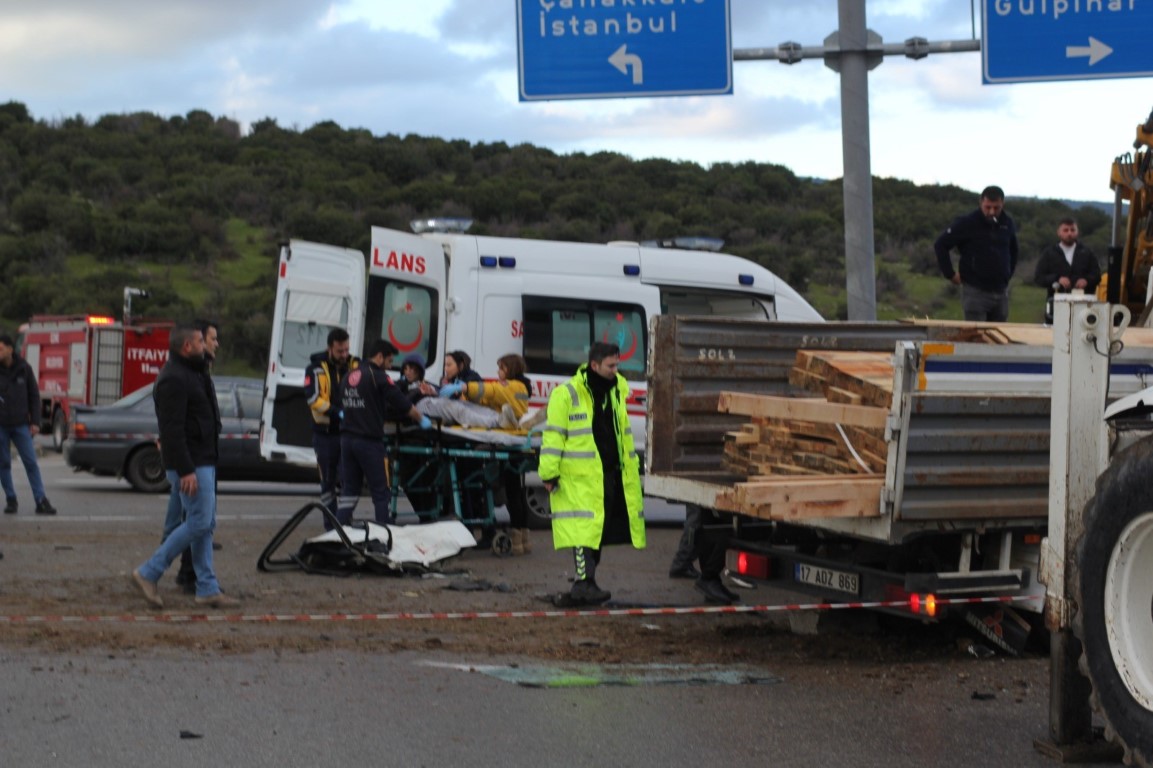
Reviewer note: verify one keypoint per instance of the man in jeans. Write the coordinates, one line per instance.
(19, 423)
(189, 420)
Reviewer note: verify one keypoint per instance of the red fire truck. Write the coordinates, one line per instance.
(90, 360)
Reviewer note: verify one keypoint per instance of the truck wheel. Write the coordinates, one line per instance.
(539, 516)
(145, 471)
(59, 430)
(1114, 595)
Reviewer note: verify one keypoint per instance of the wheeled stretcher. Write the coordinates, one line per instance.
(456, 473)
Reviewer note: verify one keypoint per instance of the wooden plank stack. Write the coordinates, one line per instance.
(814, 457)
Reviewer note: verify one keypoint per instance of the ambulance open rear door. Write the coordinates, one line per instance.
(320, 287)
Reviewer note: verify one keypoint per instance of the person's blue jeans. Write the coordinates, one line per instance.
(194, 531)
(174, 515)
(21, 436)
(363, 459)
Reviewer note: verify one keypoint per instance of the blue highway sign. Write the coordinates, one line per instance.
(593, 49)
(1039, 40)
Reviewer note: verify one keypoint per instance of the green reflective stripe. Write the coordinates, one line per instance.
(579, 432)
(551, 452)
(579, 454)
(521, 397)
(584, 513)
(551, 428)
(479, 391)
(573, 393)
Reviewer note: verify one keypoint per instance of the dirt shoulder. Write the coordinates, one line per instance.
(66, 569)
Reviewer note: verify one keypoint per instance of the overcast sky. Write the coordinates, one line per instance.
(448, 68)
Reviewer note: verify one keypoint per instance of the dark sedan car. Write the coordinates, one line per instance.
(120, 439)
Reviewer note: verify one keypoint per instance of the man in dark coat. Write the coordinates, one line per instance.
(1066, 265)
(189, 420)
(987, 242)
(19, 423)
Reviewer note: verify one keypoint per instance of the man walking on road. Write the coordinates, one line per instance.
(189, 420)
(186, 575)
(19, 423)
(987, 241)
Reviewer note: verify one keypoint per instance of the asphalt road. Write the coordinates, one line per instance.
(177, 707)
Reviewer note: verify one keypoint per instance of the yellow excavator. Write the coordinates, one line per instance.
(1130, 259)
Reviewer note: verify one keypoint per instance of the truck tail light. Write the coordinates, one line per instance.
(923, 604)
(752, 565)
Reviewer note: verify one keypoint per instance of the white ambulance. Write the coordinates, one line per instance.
(439, 291)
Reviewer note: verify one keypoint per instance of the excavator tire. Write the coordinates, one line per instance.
(1114, 599)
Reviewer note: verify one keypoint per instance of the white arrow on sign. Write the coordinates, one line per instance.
(622, 60)
(1095, 50)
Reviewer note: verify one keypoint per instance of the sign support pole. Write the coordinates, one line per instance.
(852, 51)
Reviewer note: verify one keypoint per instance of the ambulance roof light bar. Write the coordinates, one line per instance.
(445, 225)
(714, 244)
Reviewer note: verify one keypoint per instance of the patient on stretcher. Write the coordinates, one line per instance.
(476, 403)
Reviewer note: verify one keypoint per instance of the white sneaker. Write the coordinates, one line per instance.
(508, 418)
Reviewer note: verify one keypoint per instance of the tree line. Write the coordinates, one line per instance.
(165, 204)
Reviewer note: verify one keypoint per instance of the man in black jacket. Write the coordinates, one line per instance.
(1066, 265)
(19, 423)
(987, 242)
(186, 575)
(189, 420)
(369, 398)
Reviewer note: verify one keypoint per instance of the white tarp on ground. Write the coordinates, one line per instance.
(411, 544)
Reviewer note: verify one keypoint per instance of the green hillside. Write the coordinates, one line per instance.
(192, 210)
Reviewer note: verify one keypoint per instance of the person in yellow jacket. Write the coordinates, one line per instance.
(589, 465)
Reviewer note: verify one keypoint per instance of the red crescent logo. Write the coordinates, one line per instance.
(406, 347)
(625, 354)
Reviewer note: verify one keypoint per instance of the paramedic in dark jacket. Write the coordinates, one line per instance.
(189, 419)
(369, 399)
(987, 242)
(326, 371)
(19, 423)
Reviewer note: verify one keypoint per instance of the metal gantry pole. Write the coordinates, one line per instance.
(852, 51)
(860, 270)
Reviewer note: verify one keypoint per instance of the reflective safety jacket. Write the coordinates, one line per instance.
(322, 389)
(569, 455)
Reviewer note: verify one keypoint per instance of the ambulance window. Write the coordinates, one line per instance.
(626, 329)
(403, 314)
(716, 303)
(558, 333)
(308, 319)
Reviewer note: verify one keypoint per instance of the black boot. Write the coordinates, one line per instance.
(186, 576)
